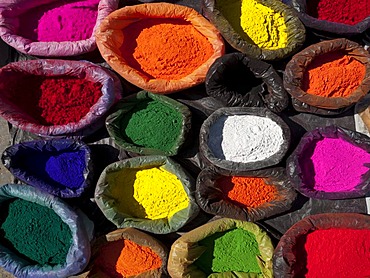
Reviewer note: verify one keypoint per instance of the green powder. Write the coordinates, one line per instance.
(36, 232)
(152, 124)
(233, 250)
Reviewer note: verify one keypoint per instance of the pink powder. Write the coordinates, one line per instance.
(60, 21)
(334, 165)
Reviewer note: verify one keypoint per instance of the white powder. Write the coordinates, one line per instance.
(245, 138)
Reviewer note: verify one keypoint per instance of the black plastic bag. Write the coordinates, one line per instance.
(237, 80)
(210, 197)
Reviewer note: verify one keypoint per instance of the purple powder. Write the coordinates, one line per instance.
(335, 165)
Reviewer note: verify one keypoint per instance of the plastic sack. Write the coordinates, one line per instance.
(295, 69)
(185, 251)
(81, 227)
(296, 172)
(106, 200)
(211, 160)
(113, 123)
(109, 38)
(11, 10)
(295, 29)
(13, 156)
(139, 238)
(237, 80)
(287, 262)
(92, 121)
(210, 197)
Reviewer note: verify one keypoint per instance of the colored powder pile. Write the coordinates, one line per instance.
(152, 193)
(54, 101)
(333, 75)
(167, 49)
(245, 191)
(341, 11)
(152, 124)
(60, 170)
(59, 21)
(334, 165)
(36, 232)
(125, 258)
(335, 253)
(245, 138)
(233, 250)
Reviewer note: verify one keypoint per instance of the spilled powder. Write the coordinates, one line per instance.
(167, 49)
(334, 165)
(152, 193)
(245, 138)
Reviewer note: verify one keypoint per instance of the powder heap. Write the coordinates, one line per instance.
(152, 124)
(54, 101)
(334, 165)
(245, 138)
(335, 253)
(152, 193)
(125, 258)
(333, 74)
(341, 11)
(167, 49)
(57, 169)
(59, 21)
(36, 232)
(245, 191)
(233, 250)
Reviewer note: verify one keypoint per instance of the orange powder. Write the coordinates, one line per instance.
(165, 48)
(246, 192)
(333, 75)
(123, 258)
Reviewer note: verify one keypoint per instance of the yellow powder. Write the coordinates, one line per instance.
(265, 27)
(152, 193)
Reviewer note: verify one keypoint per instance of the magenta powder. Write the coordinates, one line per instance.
(334, 165)
(59, 21)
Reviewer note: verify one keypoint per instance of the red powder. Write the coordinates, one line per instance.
(246, 192)
(341, 11)
(333, 74)
(335, 253)
(54, 101)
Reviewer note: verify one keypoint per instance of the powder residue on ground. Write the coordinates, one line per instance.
(59, 21)
(36, 232)
(333, 74)
(333, 165)
(245, 138)
(233, 250)
(167, 49)
(151, 193)
(247, 192)
(125, 258)
(152, 124)
(341, 11)
(335, 253)
(54, 100)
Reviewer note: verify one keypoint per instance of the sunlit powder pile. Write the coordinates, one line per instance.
(167, 49)
(246, 192)
(334, 165)
(334, 253)
(125, 258)
(152, 193)
(333, 74)
(233, 250)
(59, 21)
(245, 138)
(35, 232)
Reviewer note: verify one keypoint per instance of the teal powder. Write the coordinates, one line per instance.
(152, 124)
(36, 232)
(233, 250)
